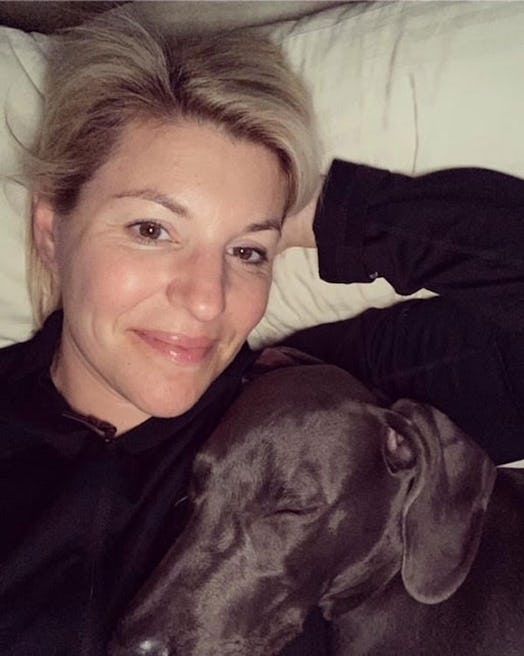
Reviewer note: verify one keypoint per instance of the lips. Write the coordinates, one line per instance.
(179, 348)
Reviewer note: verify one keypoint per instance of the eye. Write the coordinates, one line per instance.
(149, 231)
(249, 254)
(293, 511)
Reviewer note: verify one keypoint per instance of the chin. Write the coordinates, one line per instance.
(171, 404)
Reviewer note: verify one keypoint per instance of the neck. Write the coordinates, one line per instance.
(88, 396)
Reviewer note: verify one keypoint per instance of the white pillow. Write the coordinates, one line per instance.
(22, 66)
(415, 86)
(407, 86)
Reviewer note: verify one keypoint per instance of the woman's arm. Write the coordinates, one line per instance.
(459, 233)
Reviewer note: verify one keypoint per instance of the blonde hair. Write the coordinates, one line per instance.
(117, 69)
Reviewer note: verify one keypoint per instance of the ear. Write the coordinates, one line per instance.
(277, 357)
(444, 512)
(44, 231)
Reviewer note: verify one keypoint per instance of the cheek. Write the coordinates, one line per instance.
(93, 277)
(249, 306)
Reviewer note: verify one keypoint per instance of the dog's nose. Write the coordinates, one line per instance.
(152, 647)
(148, 647)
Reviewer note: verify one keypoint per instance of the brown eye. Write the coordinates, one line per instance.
(149, 231)
(249, 255)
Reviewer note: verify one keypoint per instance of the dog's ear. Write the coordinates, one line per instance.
(444, 510)
(277, 357)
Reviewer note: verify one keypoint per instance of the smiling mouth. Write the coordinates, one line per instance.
(178, 348)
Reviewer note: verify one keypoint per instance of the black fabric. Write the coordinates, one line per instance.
(459, 233)
(433, 351)
(85, 518)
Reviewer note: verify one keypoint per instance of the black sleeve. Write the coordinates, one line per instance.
(459, 233)
(431, 351)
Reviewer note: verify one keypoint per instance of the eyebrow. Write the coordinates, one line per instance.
(271, 224)
(156, 197)
(180, 210)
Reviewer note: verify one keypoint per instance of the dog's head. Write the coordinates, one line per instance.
(307, 494)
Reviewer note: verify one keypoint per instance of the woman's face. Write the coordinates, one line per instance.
(164, 267)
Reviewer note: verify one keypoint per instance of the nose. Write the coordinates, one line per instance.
(199, 285)
(148, 647)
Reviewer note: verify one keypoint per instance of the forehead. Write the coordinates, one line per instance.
(299, 451)
(193, 158)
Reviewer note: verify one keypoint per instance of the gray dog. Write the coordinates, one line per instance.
(310, 493)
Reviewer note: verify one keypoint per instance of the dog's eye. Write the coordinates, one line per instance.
(293, 511)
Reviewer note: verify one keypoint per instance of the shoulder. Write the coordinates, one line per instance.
(36, 354)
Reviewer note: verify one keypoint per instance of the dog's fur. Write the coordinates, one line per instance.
(311, 494)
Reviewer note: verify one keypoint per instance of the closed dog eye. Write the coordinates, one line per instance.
(300, 512)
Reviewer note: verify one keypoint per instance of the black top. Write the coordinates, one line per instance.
(85, 517)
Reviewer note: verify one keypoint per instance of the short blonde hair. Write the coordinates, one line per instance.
(118, 68)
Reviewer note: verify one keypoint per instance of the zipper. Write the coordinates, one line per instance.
(90, 635)
(102, 428)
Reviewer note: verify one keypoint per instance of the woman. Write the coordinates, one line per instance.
(161, 179)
